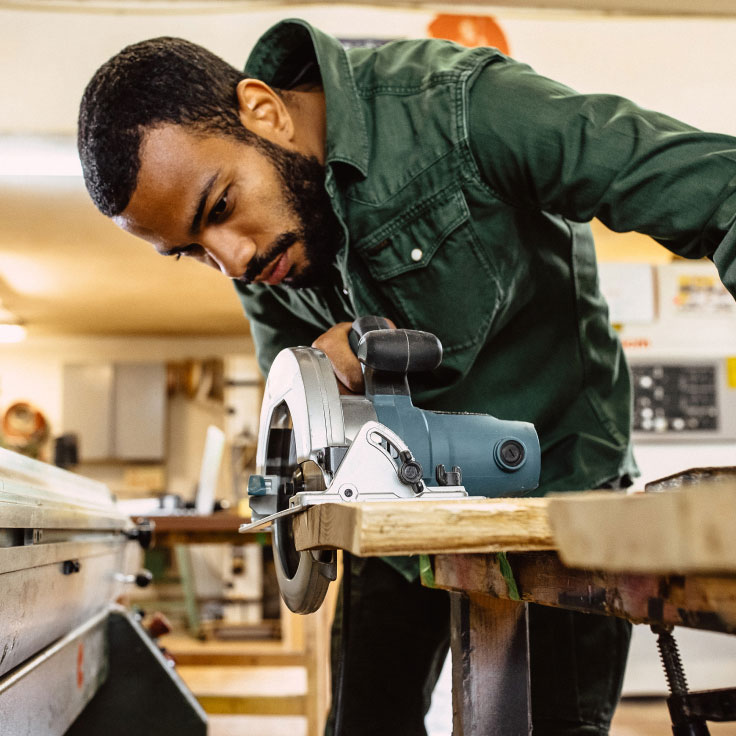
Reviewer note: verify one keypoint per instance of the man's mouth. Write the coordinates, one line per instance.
(276, 273)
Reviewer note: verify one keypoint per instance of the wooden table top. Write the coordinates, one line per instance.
(689, 530)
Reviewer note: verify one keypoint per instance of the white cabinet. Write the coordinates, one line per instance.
(117, 410)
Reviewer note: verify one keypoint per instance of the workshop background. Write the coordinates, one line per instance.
(117, 361)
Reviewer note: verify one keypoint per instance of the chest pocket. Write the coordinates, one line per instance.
(431, 268)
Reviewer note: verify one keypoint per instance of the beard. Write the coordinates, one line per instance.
(319, 231)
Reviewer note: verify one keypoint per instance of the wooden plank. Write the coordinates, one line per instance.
(696, 601)
(692, 529)
(490, 667)
(422, 527)
(242, 690)
(236, 681)
(237, 659)
(178, 643)
(186, 528)
(288, 705)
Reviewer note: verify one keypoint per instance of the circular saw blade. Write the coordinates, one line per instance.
(302, 414)
(303, 576)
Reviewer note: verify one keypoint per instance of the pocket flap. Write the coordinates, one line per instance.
(410, 240)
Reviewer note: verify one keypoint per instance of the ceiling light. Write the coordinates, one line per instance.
(11, 330)
(12, 333)
(37, 156)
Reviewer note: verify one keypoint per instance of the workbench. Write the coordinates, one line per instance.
(657, 558)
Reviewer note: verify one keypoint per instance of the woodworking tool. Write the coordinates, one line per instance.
(317, 446)
(72, 662)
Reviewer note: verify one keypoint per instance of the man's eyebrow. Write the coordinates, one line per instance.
(204, 194)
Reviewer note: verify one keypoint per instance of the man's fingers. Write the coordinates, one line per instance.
(334, 343)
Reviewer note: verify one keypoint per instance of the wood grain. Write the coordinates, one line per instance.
(697, 601)
(692, 529)
(426, 527)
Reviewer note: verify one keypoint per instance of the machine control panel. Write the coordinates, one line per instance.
(691, 400)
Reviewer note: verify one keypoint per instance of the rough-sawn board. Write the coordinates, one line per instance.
(688, 530)
(427, 527)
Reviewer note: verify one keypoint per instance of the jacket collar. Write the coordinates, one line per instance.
(283, 56)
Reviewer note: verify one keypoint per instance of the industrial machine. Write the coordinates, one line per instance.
(71, 660)
(317, 446)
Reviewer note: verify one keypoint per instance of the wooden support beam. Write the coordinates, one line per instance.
(688, 530)
(490, 667)
(423, 527)
(697, 601)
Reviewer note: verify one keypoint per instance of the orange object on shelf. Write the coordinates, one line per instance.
(470, 30)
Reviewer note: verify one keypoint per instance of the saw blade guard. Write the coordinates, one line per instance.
(300, 417)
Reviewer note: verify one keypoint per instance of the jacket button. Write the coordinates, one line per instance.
(416, 254)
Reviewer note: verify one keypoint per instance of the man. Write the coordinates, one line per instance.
(446, 189)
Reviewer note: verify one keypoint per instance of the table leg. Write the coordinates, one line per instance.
(490, 667)
(184, 563)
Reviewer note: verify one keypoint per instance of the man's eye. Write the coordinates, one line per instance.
(190, 250)
(220, 208)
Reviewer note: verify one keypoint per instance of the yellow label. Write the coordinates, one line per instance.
(731, 371)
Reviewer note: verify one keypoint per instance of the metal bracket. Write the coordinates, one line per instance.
(253, 525)
(368, 472)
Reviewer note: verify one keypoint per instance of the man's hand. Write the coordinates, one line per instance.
(334, 343)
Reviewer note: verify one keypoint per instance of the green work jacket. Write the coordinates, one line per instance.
(464, 182)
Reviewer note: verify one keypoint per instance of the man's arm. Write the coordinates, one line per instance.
(539, 144)
(275, 322)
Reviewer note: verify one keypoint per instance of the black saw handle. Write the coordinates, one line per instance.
(388, 355)
(363, 325)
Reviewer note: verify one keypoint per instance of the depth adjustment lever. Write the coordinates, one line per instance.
(410, 471)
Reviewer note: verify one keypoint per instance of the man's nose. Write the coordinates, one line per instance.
(231, 253)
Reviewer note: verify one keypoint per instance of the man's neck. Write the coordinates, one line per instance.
(307, 108)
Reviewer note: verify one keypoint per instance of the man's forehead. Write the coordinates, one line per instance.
(167, 150)
(127, 221)
(170, 176)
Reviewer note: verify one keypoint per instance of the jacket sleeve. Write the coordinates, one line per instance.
(539, 144)
(275, 322)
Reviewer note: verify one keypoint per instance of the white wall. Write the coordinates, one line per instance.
(680, 66)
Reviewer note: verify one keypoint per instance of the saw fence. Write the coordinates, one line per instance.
(657, 558)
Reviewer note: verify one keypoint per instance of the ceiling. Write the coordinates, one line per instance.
(65, 268)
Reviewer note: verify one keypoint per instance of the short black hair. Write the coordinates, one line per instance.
(159, 81)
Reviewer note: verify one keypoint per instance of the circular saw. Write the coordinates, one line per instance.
(317, 446)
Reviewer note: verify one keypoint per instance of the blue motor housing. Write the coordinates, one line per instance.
(495, 457)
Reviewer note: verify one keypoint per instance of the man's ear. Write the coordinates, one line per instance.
(263, 112)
